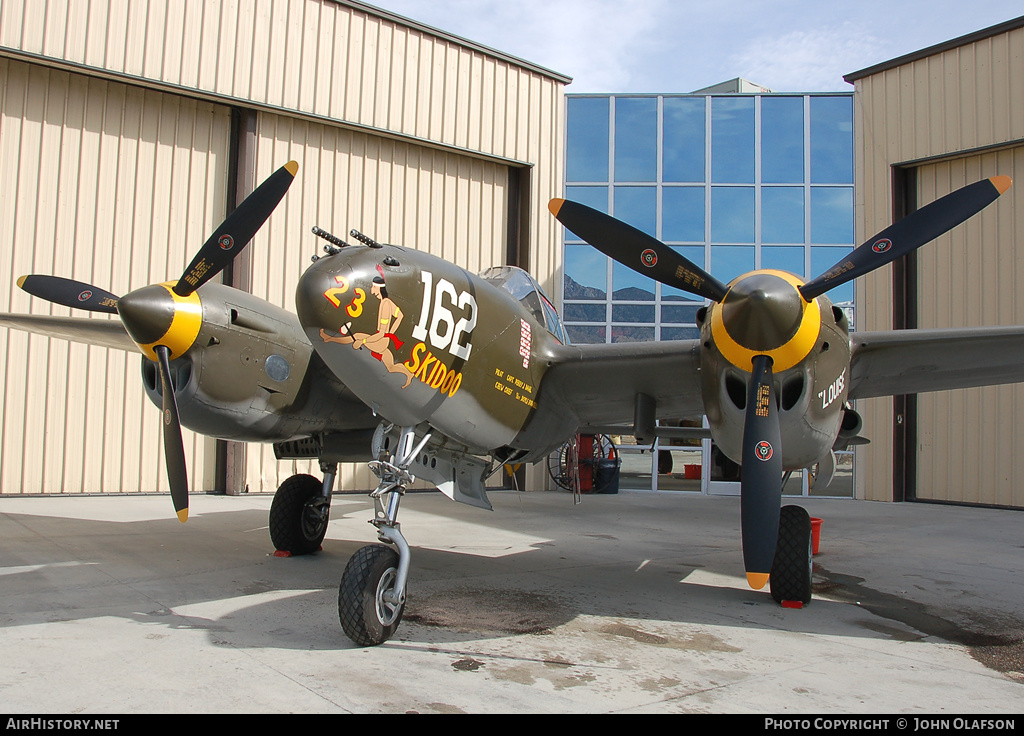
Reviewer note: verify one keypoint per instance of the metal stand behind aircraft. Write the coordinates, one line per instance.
(434, 372)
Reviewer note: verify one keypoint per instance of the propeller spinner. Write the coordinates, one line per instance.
(164, 319)
(766, 322)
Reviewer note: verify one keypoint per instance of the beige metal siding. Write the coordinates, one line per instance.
(442, 203)
(965, 98)
(115, 186)
(345, 62)
(970, 440)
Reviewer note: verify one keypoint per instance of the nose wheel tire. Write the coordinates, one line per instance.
(299, 515)
(790, 578)
(367, 616)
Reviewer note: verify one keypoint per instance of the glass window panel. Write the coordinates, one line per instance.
(587, 139)
(682, 214)
(680, 313)
(732, 214)
(584, 313)
(638, 206)
(695, 253)
(822, 259)
(730, 261)
(683, 139)
(831, 215)
(636, 139)
(586, 273)
(783, 258)
(585, 335)
(628, 285)
(679, 333)
(832, 140)
(732, 139)
(782, 214)
(596, 197)
(782, 140)
(633, 313)
(632, 334)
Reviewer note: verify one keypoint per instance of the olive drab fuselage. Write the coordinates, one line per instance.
(422, 341)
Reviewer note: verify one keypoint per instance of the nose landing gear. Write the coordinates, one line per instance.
(371, 597)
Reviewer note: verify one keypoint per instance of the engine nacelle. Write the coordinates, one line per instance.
(251, 375)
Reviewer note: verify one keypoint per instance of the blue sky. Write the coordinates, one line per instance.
(683, 45)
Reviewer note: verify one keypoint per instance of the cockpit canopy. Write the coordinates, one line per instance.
(525, 288)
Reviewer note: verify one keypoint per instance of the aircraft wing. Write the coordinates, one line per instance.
(916, 361)
(599, 383)
(105, 333)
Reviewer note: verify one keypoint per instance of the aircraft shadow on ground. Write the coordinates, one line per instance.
(220, 576)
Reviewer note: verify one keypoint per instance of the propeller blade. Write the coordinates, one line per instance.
(910, 233)
(761, 475)
(69, 293)
(236, 231)
(636, 249)
(174, 449)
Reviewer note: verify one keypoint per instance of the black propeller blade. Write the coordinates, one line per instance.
(636, 249)
(761, 475)
(236, 231)
(148, 313)
(69, 293)
(913, 231)
(174, 449)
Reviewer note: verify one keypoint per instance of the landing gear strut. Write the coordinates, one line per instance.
(371, 597)
(300, 511)
(790, 578)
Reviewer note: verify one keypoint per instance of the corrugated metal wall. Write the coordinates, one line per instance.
(115, 186)
(342, 61)
(971, 444)
(946, 105)
(442, 203)
(400, 131)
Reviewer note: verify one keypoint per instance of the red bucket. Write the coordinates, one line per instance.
(815, 534)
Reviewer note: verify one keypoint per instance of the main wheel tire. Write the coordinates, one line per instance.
(791, 571)
(366, 617)
(296, 525)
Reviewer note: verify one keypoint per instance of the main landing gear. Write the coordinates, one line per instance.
(790, 578)
(300, 511)
(371, 597)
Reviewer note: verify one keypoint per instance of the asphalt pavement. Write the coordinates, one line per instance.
(627, 603)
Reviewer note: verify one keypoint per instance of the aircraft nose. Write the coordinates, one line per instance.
(154, 315)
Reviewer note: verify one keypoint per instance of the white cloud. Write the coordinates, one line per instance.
(683, 45)
(593, 41)
(808, 61)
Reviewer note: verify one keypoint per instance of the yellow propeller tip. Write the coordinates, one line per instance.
(183, 515)
(292, 167)
(21, 282)
(1001, 183)
(757, 580)
(555, 205)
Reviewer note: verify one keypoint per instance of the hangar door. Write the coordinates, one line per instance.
(115, 186)
(970, 442)
(439, 201)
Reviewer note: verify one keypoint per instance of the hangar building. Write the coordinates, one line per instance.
(737, 177)
(127, 132)
(927, 124)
